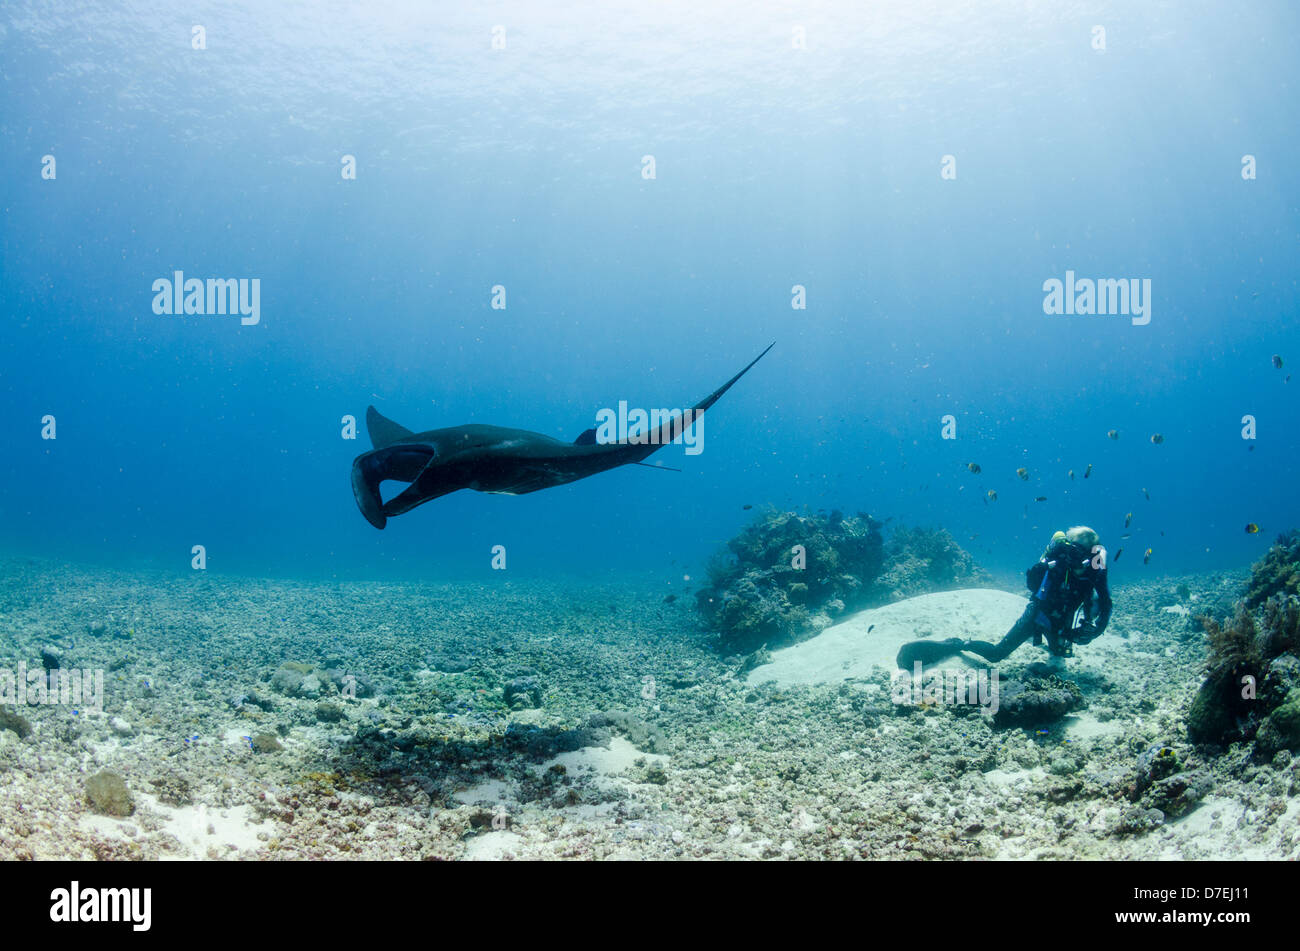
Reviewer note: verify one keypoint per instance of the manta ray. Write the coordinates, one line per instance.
(493, 458)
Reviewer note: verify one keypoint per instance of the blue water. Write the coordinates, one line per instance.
(523, 167)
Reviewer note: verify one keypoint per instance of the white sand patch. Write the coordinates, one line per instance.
(1007, 779)
(199, 828)
(602, 767)
(203, 828)
(238, 736)
(872, 638)
(604, 762)
(493, 846)
(1220, 826)
(1085, 726)
(490, 792)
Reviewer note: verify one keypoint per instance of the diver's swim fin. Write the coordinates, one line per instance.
(928, 652)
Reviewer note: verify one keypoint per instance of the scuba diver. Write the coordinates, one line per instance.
(1063, 582)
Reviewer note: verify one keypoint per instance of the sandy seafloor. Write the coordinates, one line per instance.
(695, 764)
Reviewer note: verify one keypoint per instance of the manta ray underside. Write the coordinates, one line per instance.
(491, 458)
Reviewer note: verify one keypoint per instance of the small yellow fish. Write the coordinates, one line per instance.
(992, 495)
(973, 467)
(1252, 529)
(1113, 434)
(1071, 475)
(1147, 494)
(1146, 559)
(1040, 498)
(1023, 473)
(1127, 519)
(1277, 361)
(1157, 439)
(1088, 471)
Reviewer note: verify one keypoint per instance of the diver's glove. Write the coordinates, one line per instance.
(1059, 646)
(1086, 632)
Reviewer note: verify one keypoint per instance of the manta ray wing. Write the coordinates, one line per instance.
(383, 431)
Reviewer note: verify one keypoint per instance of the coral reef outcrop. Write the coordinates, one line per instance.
(788, 575)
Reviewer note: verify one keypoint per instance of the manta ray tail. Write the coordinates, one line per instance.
(673, 426)
(716, 395)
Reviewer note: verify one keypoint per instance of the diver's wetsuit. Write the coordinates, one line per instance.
(1051, 609)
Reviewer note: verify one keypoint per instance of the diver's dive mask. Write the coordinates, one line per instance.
(1079, 559)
